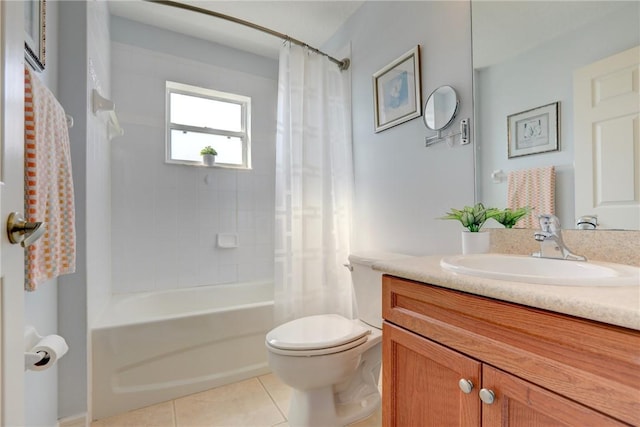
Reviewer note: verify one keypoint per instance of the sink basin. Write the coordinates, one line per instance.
(547, 271)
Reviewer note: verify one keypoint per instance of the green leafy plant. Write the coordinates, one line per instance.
(509, 217)
(208, 150)
(472, 217)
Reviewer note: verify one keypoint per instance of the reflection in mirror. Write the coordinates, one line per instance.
(440, 108)
(525, 55)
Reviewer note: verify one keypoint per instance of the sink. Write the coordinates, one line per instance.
(520, 268)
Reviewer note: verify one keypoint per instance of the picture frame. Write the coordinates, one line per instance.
(397, 92)
(533, 131)
(35, 33)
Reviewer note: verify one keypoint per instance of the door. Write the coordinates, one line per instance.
(426, 375)
(518, 403)
(607, 140)
(11, 199)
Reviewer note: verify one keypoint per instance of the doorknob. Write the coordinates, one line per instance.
(23, 232)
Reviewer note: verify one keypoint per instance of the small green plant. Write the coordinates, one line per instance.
(509, 217)
(208, 150)
(472, 217)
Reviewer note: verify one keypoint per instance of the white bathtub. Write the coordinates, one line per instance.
(156, 346)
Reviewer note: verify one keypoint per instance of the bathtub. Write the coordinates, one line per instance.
(156, 346)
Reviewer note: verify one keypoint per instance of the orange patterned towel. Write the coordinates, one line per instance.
(535, 188)
(48, 184)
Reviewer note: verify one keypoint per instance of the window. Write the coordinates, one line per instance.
(197, 117)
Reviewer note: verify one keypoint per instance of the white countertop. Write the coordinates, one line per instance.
(614, 305)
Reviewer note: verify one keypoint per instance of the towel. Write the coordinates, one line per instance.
(535, 188)
(48, 185)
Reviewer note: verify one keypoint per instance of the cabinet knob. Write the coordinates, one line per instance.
(465, 385)
(487, 396)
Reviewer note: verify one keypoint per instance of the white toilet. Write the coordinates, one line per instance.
(333, 363)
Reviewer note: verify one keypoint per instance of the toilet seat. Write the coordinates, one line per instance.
(316, 335)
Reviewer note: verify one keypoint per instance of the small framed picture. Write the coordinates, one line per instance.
(533, 131)
(34, 29)
(396, 91)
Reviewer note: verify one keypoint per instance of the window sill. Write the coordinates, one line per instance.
(202, 165)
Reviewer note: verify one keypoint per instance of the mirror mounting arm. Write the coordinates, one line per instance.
(438, 137)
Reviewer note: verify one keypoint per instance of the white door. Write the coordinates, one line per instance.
(607, 140)
(11, 199)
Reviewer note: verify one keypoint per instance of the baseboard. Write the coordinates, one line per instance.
(74, 421)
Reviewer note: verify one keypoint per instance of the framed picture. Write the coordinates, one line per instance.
(396, 91)
(533, 131)
(34, 28)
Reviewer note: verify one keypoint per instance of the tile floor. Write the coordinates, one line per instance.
(257, 402)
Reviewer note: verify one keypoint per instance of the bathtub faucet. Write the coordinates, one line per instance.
(550, 238)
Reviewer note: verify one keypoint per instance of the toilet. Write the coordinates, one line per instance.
(333, 363)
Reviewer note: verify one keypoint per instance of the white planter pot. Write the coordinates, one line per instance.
(208, 159)
(475, 242)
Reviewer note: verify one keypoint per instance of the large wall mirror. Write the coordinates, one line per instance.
(525, 54)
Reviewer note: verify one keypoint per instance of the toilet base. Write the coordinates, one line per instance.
(317, 408)
(335, 389)
(342, 404)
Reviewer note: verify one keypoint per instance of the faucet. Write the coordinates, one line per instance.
(587, 222)
(550, 238)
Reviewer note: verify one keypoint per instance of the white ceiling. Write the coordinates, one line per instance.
(503, 29)
(526, 24)
(313, 22)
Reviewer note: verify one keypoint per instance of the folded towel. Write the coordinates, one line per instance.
(48, 185)
(535, 188)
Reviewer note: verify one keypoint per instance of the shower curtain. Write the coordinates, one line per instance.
(314, 186)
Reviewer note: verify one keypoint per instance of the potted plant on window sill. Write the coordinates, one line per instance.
(208, 154)
(473, 218)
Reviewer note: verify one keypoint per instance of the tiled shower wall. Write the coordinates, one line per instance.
(166, 217)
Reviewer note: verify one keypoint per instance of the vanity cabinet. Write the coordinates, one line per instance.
(456, 359)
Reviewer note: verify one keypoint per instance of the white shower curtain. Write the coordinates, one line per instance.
(314, 185)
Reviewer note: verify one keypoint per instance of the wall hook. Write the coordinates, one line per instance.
(100, 103)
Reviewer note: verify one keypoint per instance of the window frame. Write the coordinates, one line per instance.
(196, 91)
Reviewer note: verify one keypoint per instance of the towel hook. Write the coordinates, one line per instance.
(101, 103)
(23, 232)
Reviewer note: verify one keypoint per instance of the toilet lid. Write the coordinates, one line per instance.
(316, 332)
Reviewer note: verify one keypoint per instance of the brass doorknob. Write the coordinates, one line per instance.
(23, 232)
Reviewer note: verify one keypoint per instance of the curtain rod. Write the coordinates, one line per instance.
(342, 64)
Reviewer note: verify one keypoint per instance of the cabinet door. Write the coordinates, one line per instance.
(518, 403)
(420, 383)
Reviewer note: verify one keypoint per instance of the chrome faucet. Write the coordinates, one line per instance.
(587, 222)
(550, 238)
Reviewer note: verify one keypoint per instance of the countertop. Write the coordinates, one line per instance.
(613, 305)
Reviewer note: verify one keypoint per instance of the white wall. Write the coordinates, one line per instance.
(84, 65)
(538, 77)
(98, 161)
(401, 187)
(166, 216)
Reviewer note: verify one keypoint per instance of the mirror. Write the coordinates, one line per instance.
(440, 108)
(525, 54)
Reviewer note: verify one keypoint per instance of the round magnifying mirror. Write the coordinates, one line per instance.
(440, 108)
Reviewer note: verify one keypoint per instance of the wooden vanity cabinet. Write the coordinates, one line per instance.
(543, 368)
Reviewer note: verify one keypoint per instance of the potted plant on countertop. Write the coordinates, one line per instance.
(509, 217)
(473, 218)
(208, 154)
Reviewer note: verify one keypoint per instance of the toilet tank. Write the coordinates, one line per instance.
(367, 284)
